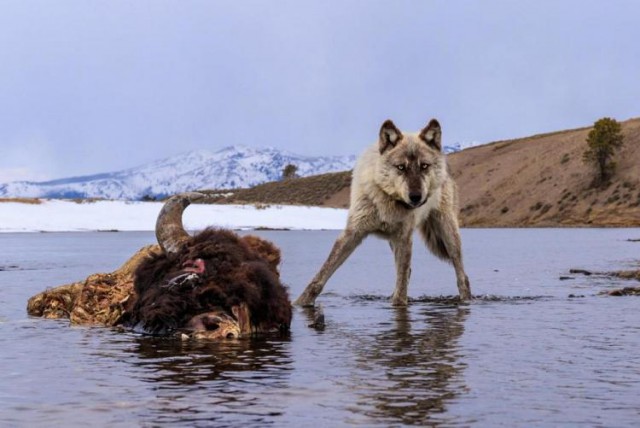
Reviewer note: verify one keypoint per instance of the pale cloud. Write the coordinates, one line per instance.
(20, 174)
(91, 87)
(28, 157)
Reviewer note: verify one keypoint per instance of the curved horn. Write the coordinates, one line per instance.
(170, 232)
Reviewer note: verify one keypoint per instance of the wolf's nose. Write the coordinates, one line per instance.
(415, 198)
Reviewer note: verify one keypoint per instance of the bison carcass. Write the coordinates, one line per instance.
(213, 285)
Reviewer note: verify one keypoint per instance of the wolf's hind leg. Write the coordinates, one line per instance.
(441, 233)
(342, 249)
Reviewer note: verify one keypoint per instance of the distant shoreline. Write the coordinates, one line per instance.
(49, 215)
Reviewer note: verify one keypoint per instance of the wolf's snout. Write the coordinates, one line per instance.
(415, 198)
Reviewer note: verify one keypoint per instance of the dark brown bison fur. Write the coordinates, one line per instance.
(237, 270)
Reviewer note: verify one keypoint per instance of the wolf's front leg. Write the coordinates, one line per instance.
(402, 252)
(454, 247)
(343, 247)
(442, 235)
(450, 235)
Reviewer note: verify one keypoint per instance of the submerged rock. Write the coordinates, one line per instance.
(626, 291)
(581, 271)
(622, 274)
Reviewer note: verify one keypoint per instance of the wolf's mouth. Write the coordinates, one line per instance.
(409, 206)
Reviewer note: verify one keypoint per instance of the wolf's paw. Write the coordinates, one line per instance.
(399, 301)
(464, 289)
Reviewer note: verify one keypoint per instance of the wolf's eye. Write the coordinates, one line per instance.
(424, 166)
(400, 167)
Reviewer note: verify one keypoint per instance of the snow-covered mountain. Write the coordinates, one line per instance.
(231, 167)
(456, 147)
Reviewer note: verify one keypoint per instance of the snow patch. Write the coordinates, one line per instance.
(67, 216)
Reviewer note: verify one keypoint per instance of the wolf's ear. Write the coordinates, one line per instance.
(432, 135)
(389, 136)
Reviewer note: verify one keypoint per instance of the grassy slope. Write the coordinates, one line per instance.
(330, 190)
(542, 181)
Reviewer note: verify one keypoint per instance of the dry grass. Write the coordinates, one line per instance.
(36, 201)
(85, 200)
(31, 201)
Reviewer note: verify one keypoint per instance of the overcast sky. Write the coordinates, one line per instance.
(96, 86)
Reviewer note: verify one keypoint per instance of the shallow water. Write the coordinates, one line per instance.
(524, 353)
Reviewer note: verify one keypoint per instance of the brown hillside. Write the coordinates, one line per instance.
(542, 181)
(329, 190)
(533, 181)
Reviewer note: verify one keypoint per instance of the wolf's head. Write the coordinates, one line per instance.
(411, 167)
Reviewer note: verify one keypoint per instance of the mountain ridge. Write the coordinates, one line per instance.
(231, 167)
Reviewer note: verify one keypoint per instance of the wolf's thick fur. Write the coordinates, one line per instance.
(400, 184)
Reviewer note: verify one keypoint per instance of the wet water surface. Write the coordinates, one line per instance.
(531, 350)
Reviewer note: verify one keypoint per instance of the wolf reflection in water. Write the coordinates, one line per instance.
(416, 364)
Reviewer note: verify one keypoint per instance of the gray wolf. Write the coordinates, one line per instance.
(400, 184)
